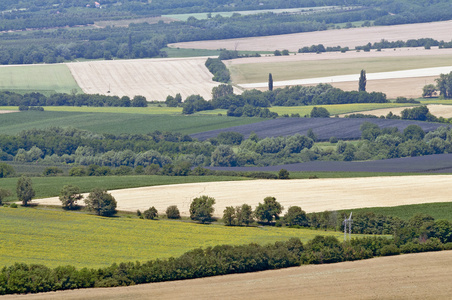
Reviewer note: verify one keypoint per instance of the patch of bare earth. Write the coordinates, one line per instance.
(437, 110)
(153, 78)
(313, 195)
(410, 276)
(7, 111)
(344, 37)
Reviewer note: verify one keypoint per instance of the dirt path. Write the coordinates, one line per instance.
(313, 195)
(411, 276)
(344, 37)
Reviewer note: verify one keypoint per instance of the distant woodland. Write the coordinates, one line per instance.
(57, 30)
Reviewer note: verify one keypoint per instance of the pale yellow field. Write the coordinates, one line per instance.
(153, 78)
(410, 276)
(343, 37)
(312, 195)
(437, 110)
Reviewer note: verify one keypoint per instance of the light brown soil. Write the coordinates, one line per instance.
(7, 111)
(313, 195)
(411, 276)
(153, 78)
(344, 37)
(437, 110)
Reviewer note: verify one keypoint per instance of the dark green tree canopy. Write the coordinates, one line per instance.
(362, 81)
(24, 190)
(201, 208)
(268, 210)
(69, 196)
(101, 203)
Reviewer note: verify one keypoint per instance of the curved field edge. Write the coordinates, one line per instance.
(56, 238)
(311, 195)
(408, 276)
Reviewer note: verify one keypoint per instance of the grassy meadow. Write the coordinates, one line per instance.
(55, 237)
(250, 73)
(335, 109)
(47, 79)
(116, 123)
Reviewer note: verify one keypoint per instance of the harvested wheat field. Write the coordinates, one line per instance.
(344, 37)
(437, 110)
(153, 78)
(313, 195)
(410, 276)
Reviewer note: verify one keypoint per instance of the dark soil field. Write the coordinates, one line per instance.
(439, 163)
(324, 128)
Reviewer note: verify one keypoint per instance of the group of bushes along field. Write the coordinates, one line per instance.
(176, 154)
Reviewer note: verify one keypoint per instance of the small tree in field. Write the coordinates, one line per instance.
(296, 216)
(268, 210)
(172, 212)
(69, 196)
(283, 174)
(244, 214)
(151, 213)
(3, 194)
(201, 208)
(24, 190)
(229, 216)
(101, 202)
(362, 81)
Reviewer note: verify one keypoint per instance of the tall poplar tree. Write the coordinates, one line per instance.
(362, 81)
(270, 82)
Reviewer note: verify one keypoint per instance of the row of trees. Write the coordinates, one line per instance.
(34, 99)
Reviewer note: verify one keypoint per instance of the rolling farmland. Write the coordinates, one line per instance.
(324, 128)
(153, 78)
(312, 195)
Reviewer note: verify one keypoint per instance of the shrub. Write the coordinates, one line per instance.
(172, 212)
(69, 196)
(151, 213)
(52, 171)
(201, 208)
(101, 202)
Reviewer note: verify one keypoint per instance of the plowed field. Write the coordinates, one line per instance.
(153, 78)
(411, 276)
(312, 195)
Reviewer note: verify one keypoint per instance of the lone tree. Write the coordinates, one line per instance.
(296, 216)
(268, 210)
(270, 82)
(24, 190)
(201, 208)
(283, 174)
(3, 194)
(362, 81)
(172, 212)
(69, 196)
(101, 202)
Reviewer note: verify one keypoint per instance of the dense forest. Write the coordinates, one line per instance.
(54, 42)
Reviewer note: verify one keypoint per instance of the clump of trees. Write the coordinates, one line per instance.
(218, 69)
(151, 213)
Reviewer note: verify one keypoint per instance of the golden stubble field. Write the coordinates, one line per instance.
(153, 78)
(437, 110)
(411, 276)
(312, 195)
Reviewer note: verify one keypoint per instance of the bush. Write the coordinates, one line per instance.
(283, 174)
(101, 202)
(69, 196)
(201, 208)
(172, 212)
(13, 205)
(151, 213)
(52, 171)
(319, 112)
(6, 170)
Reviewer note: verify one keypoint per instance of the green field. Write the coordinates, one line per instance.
(116, 123)
(336, 109)
(51, 186)
(405, 212)
(250, 73)
(46, 79)
(55, 237)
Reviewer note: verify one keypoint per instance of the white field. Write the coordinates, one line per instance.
(344, 37)
(153, 78)
(313, 195)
